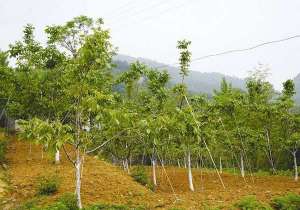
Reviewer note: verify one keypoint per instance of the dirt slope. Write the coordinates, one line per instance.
(101, 183)
(104, 183)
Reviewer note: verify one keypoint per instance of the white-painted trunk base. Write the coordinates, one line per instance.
(78, 183)
(154, 172)
(57, 157)
(242, 167)
(295, 166)
(190, 175)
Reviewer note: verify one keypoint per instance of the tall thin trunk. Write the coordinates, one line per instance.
(78, 179)
(57, 157)
(162, 163)
(78, 163)
(295, 166)
(143, 157)
(154, 171)
(242, 167)
(221, 166)
(126, 165)
(190, 175)
(270, 152)
(178, 163)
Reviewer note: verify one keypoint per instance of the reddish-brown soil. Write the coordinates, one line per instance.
(209, 191)
(105, 183)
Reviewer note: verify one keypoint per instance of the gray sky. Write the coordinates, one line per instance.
(150, 29)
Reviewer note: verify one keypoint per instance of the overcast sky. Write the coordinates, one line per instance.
(150, 29)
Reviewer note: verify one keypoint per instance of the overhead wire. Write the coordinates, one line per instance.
(122, 8)
(153, 16)
(132, 13)
(236, 50)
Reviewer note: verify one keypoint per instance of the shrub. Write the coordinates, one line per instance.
(290, 201)
(139, 175)
(250, 202)
(107, 207)
(3, 149)
(112, 207)
(285, 172)
(48, 185)
(70, 201)
(55, 206)
(30, 204)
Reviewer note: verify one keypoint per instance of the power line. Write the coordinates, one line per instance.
(123, 8)
(167, 10)
(141, 11)
(237, 50)
(162, 12)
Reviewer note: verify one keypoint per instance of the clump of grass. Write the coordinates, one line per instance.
(3, 149)
(139, 174)
(48, 185)
(55, 206)
(69, 200)
(112, 207)
(290, 201)
(28, 205)
(250, 202)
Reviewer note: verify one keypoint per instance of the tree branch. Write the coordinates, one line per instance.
(104, 143)
(68, 156)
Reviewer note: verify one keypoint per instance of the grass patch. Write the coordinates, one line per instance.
(69, 200)
(112, 207)
(140, 175)
(290, 201)
(250, 202)
(3, 150)
(48, 185)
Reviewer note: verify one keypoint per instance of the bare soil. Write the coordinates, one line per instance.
(105, 183)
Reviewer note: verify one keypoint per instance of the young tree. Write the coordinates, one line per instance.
(188, 131)
(290, 123)
(87, 87)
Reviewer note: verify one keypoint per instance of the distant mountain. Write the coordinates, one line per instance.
(197, 82)
(297, 88)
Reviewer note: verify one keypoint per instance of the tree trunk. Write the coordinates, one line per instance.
(178, 163)
(221, 166)
(154, 171)
(242, 167)
(162, 163)
(127, 165)
(143, 157)
(57, 157)
(295, 166)
(78, 179)
(270, 152)
(190, 176)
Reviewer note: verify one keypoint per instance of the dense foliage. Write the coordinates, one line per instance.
(65, 93)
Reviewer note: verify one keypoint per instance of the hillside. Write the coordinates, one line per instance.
(297, 86)
(198, 82)
(105, 183)
(102, 182)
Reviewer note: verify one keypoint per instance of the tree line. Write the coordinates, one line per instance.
(66, 95)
